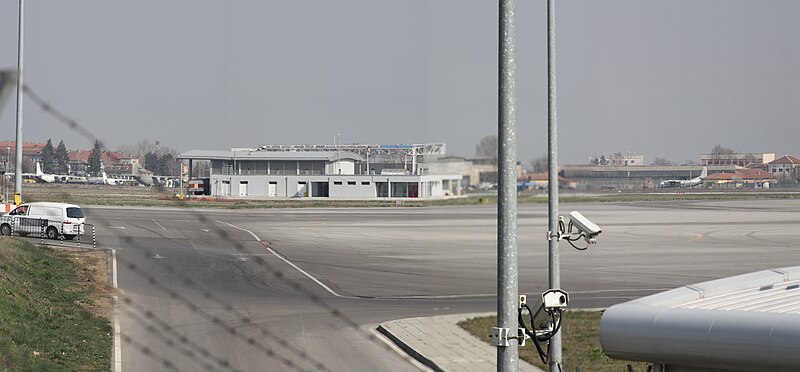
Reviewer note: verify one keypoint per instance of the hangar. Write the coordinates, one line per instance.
(324, 171)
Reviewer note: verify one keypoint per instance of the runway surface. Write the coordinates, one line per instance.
(298, 289)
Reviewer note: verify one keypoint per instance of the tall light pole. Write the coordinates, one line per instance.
(5, 176)
(20, 47)
(552, 181)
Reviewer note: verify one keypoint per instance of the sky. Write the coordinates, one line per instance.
(666, 79)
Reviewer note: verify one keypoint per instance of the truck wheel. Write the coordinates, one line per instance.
(52, 233)
(5, 229)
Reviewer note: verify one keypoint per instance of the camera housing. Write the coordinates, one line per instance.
(589, 229)
(555, 299)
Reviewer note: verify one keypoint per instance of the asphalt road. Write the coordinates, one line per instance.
(298, 289)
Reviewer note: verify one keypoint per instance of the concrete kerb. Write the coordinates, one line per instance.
(440, 344)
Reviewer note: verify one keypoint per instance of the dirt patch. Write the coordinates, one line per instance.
(92, 276)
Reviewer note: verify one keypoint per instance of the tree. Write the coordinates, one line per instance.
(488, 147)
(61, 159)
(95, 160)
(151, 161)
(165, 165)
(48, 157)
(540, 164)
(720, 153)
(662, 162)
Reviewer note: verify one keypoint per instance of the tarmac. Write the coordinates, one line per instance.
(440, 344)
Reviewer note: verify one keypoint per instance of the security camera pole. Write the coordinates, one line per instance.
(507, 281)
(552, 181)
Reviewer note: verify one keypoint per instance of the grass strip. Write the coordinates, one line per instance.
(580, 334)
(43, 323)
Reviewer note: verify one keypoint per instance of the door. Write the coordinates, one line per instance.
(226, 188)
(272, 189)
(243, 188)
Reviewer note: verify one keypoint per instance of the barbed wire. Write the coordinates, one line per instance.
(276, 273)
(222, 363)
(149, 353)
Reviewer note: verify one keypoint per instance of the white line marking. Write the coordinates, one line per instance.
(117, 227)
(117, 333)
(321, 284)
(159, 225)
(114, 267)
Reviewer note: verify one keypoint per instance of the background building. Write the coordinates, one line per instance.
(324, 171)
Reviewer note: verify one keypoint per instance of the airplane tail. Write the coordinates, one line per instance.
(39, 169)
(705, 173)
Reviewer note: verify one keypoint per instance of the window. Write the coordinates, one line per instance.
(364, 183)
(337, 183)
(351, 183)
(73, 212)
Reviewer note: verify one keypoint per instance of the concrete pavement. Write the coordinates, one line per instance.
(440, 344)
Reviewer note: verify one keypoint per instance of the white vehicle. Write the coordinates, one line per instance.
(61, 220)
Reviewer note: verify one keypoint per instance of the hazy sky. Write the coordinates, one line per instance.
(658, 78)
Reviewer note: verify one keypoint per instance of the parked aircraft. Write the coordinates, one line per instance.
(685, 183)
(106, 180)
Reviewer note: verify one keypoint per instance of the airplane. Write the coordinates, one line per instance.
(685, 183)
(105, 180)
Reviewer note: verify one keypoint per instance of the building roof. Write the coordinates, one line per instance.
(745, 322)
(108, 156)
(754, 174)
(786, 159)
(742, 174)
(269, 155)
(720, 177)
(541, 177)
(28, 148)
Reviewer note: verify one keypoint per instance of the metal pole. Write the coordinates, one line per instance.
(507, 281)
(552, 181)
(18, 169)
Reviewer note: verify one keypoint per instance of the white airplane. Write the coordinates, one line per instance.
(106, 180)
(685, 183)
(49, 178)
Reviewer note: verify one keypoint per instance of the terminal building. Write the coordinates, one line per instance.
(325, 171)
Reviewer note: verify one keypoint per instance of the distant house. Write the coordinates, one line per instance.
(540, 181)
(114, 163)
(741, 179)
(31, 153)
(785, 168)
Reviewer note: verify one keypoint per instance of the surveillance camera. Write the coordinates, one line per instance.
(555, 299)
(589, 229)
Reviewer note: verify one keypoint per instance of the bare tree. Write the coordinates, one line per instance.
(488, 147)
(662, 162)
(540, 164)
(720, 153)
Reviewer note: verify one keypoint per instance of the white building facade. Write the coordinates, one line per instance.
(315, 174)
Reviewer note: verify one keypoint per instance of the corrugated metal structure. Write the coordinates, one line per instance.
(748, 322)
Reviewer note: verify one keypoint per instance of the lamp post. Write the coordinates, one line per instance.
(5, 176)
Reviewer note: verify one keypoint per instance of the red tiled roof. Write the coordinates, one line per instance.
(786, 159)
(28, 148)
(753, 174)
(108, 157)
(720, 177)
(544, 176)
